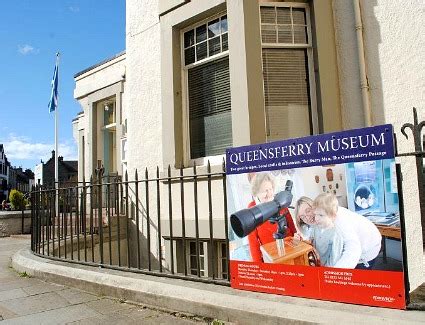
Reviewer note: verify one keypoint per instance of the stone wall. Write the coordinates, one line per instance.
(11, 223)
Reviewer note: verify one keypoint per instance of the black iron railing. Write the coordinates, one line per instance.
(161, 223)
(419, 154)
(140, 225)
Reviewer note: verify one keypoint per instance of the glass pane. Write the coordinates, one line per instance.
(214, 46)
(224, 266)
(300, 35)
(224, 24)
(201, 250)
(193, 272)
(268, 15)
(189, 55)
(298, 16)
(189, 38)
(201, 262)
(214, 28)
(268, 34)
(283, 15)
(192, 246)
(193, 261)
(223, 250)
(286, 93)
(201, 51)
(210, 123)
(225, 42)
(211, 135)
(284, 34)
(201, 33)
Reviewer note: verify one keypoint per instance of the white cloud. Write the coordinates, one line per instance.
(23, 148)
(74, 9)
(27, 49)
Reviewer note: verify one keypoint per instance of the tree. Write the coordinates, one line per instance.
(17, 200)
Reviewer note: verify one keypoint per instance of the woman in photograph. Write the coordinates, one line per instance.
(263, 190)
(361, 239)
(304, 218)
(327, 241)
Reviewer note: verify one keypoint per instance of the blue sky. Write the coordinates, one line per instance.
(85, 32)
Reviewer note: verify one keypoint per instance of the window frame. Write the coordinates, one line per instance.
(314, 127)
(221, 258)
(204, 267)
(188, 161)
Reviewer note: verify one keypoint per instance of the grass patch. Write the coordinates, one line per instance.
(24, 274)
(217, 322)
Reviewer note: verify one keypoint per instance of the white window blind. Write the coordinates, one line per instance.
(286, 93)
(210, 123)
(286, 78)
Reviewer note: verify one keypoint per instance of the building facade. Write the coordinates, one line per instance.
(45, 172)
(4, 175)
(21, 180)
(203, 75)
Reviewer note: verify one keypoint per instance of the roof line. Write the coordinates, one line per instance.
(98, 64)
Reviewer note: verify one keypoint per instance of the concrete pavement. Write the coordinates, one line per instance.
(213, 301)
(28, 300)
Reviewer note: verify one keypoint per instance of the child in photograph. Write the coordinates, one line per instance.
(263, 190)
(327, 241)
(361, 238)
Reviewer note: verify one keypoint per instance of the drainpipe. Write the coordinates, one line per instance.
(364, 84)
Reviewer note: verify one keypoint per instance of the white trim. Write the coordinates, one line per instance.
(284, 4)
(110, 127)
(206, 60)
(123, 152)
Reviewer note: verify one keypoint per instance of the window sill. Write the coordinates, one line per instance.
(201, 170)
(110, 127)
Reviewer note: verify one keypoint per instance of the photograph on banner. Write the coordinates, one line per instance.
(318, 217)
(327, 202)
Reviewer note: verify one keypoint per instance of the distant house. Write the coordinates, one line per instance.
(4, 174)
(45, 172)
(20, 180)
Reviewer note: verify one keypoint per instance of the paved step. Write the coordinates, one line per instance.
(213, 301)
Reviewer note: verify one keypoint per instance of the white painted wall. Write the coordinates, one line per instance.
(394, 49)
(143, 85)
(143, 100)
(100, 77)
(38, 174)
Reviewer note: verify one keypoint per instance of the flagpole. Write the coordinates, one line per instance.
(56, 142)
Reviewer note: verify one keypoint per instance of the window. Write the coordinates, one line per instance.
(207, 118)
(222, 260)
(109, 112)
(288, 71)
(192, 260)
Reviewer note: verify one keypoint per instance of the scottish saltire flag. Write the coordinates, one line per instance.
(53, 104)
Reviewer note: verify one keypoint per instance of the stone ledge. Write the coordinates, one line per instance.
(206, 299)
(11, 223)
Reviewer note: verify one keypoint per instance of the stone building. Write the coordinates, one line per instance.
(45, 172)
(4, 175)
